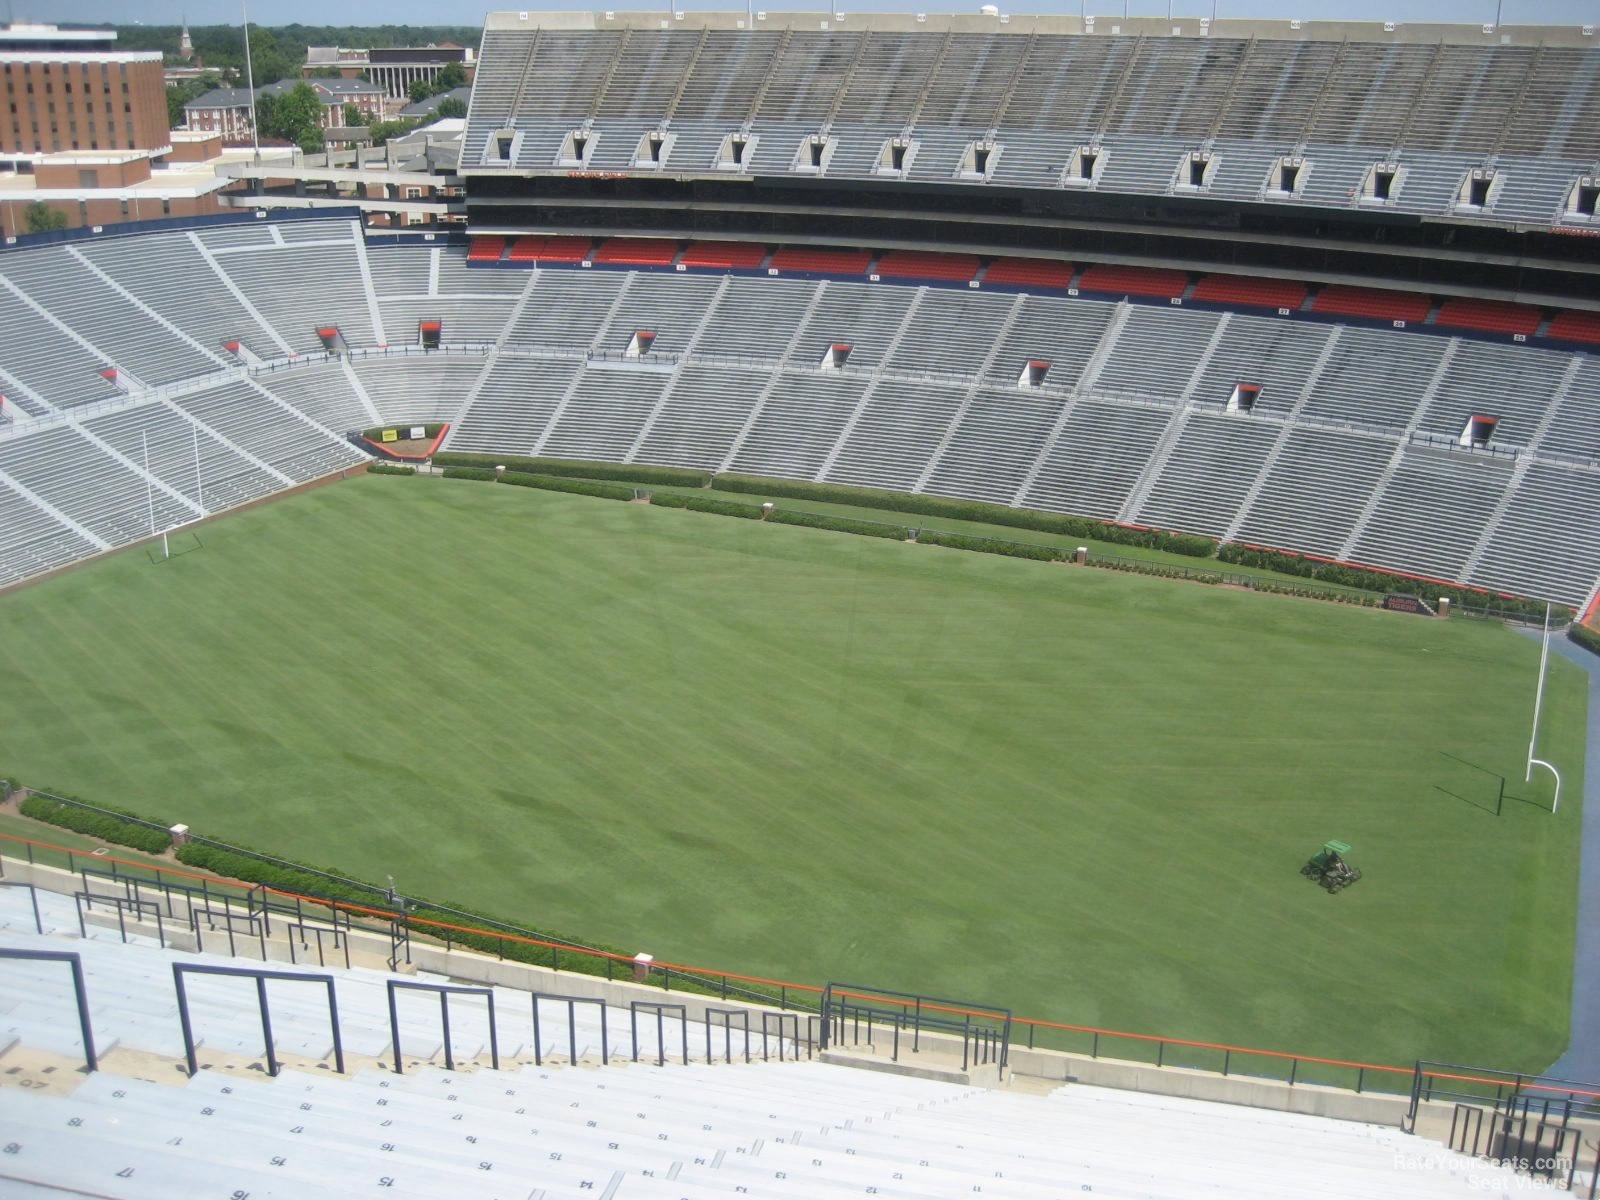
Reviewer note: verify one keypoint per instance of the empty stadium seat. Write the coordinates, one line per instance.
(1489, 316)
(486, 249)
(806, 260)
(637, 252)
(1029, 272)
(1251, 293)
(915, 264)
(1134, 281)
(550, 249)
(736, 256)
(1379, 304)
(1574, 326)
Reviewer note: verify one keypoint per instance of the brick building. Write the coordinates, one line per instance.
(72, 91)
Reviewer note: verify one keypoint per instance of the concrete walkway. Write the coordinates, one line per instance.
(1581, 1062)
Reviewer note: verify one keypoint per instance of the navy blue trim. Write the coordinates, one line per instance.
(28, 241)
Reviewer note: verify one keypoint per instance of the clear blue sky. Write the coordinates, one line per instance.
(470, 12)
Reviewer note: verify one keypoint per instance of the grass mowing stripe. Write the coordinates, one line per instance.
(1085, 794)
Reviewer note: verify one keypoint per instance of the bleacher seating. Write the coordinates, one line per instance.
(1240, 290)
(636, 252)
(1030, 273)
(1488, 316)
(724, 256)
(917, 264)
(1133, 281)
(807, 260)
(570, 1126)
(1339, 300)
(734, 381)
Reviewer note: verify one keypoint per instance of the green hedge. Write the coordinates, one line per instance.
(1377, 581)
(1585, 637)
(788, 516)
(968, 510)
(275, 875)
(725, 508)
(383, 468)
(375, 434)
(961, 541)
(103, 825)
(477, 473)
(581, 487)
(569, 468)
(1139, 566)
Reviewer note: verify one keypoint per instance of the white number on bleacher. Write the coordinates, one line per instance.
(387, 1147)
(486, 1166)
(279, 1160)
(385, 1180)
(13, 1147)
(76, 1121)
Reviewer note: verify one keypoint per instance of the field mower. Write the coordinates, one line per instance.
(1329, 868)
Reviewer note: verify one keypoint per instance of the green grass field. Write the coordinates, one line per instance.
(1082, 794)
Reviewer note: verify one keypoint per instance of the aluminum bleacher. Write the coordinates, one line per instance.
(592, 1102)
(1018, 395)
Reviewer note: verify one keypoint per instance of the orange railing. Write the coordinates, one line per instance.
(1294, 1063)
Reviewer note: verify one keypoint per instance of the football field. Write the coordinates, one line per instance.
(1082, 794)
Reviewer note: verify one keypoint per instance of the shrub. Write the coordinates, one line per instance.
(220, 860)
(383, 468)
(725, 508)
(569, 468)
(581, 487)
(106, 825)
(961, 541)
(477, 473)
(1287, 563)
(1585, 637)
(788, 516)
(968, 510)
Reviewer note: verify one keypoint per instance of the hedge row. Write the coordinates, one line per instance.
(1585, 637)
(1140, 567)
(375, 434)
(105, 826)
(383, 468)
(282, 877)
(1376, 581)
(785, 516)
(478, 473)
(581, 487)
(725, 508)
(624, 472)
(968, 510)
(961, 541)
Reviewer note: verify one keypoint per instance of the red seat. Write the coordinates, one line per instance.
(1030, 272)
(486, 249)
(1378, 303)
(539, 248)
(637, 252)
(928, 264)
(1251, 293)
(807, 260)
(1571, 326)
(1489, 316)
(1134, 281)
(725, 256)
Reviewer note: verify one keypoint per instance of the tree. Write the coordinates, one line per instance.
(384, 130)
(453, 76)
(295, 115)
(41, 218)
(450, 107)
(353, 116)
(420, 91)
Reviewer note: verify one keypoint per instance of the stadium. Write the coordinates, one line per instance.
(901, 547)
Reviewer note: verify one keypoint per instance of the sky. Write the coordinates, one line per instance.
(470, 12)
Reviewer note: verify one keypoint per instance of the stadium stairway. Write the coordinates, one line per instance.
(672, 1115)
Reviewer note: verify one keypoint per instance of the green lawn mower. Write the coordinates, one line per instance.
(1329, 867)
